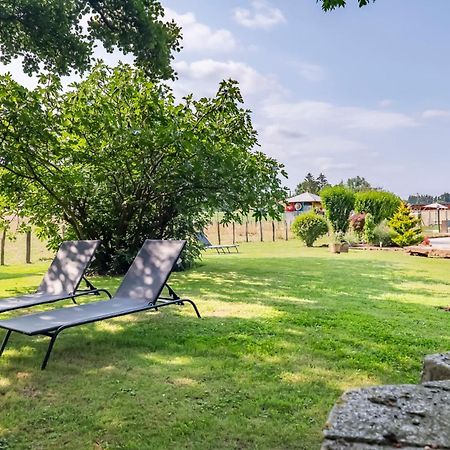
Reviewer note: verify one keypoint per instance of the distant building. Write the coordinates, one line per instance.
(301, 203)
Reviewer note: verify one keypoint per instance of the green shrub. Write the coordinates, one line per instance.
(406, 226)
(308, 227)
(338, 202)
(357, 222)
(382, 205)
(384, 235)
(369, 229)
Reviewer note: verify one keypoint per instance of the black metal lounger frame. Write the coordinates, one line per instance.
(53, 333)
(223, 248)
(90, 290)
(77, 292)
(208, 246)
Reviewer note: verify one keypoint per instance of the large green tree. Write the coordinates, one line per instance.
(116, 158)
(60, 35)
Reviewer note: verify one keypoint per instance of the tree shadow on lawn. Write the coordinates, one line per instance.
(262, 369)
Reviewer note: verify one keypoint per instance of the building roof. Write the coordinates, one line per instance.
(435, 206)
(306, 197)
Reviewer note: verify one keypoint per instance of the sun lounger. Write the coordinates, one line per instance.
(62, 279)
(219, 248)
(140, 290)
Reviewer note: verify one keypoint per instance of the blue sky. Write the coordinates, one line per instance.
(349, 92)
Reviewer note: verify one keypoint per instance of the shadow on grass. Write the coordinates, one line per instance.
(279, 341)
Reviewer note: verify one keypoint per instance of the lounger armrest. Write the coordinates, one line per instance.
(81, 292)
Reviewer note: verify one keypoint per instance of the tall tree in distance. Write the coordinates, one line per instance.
(322, 181)
(444, 198)
(59, 36)
(420, 199)
(425, 199)
(358, 184)
(309, 184)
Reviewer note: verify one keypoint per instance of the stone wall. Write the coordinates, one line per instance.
(409, 417)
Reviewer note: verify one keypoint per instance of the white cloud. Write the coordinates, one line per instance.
(316, 114)
(320, 136)
(261, 15)
(310, 72)
(385, 103)
(435, 114)
(202, 77)
(198, 37)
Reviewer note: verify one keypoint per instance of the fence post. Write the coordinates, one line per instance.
(273, 231)
(246, 231)
(28, 248)
(218, 232)
(234, 233)
(261, 231)
(286, 232)
(2, 247)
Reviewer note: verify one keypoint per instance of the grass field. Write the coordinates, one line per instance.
(285, 330)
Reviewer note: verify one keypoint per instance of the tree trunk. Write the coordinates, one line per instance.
(218, 232)
(28, 249)
(2, 247)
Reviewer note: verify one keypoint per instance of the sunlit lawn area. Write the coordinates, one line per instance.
(285, 330)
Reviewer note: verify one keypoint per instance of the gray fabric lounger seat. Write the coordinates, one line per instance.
(218, 248)
(62, 279)
(140, 290)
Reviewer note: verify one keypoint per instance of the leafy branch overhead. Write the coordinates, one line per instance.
(328, 5)
(60, 36)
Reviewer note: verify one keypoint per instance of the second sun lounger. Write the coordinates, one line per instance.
(62, 279)
(218, 248)
(140, 290)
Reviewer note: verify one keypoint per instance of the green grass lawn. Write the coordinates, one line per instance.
(285, 331)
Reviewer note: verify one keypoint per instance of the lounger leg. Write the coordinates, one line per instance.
(5, 341)
(193, 305)
(49, 350)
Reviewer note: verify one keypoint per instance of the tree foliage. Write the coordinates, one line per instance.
(358, 184)
(369, 228)
(309, 227)
(426, 199)
(328, 5)
(357, 222)
(338, 202)
(406, 226)
(311, 184)
(117, 159)
(61, 35)
(380, 204)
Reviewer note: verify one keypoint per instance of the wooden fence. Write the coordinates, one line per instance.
(248, 231)
(24, 248)
(27, 248)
